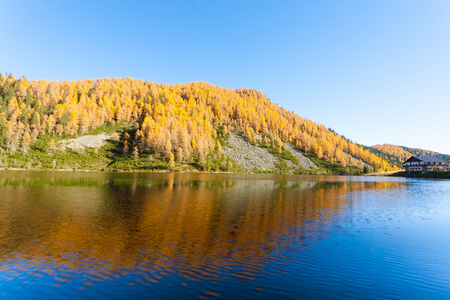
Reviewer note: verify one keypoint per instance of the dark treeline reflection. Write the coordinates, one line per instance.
(201, 227)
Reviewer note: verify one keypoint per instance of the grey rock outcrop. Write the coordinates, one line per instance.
(88, 141)
(250, 157)
(305, 162)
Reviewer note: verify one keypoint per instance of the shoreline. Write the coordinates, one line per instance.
(426, 175)
(189, 172)
(388, 173)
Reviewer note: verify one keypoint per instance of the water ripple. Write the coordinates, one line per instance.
(222, 236)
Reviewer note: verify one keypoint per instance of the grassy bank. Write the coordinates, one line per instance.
(111, 158)
(49, 153)
(325, 167)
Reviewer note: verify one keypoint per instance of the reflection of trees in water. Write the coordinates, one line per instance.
(198, 228)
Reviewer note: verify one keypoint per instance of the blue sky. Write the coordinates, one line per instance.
(374, 71)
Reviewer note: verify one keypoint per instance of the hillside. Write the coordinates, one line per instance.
(166, 126)
(398, 154)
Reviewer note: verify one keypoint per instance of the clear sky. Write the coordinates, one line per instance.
(375, 71)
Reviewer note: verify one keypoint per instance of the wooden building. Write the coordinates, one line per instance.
(424, 164)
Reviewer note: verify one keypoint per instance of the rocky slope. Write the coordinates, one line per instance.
(250, 157)
(305, 162)
(87, 141)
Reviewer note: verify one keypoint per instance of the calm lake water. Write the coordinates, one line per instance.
(138, 235)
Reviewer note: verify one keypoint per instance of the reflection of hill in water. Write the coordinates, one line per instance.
(147, 182)
(105, 226)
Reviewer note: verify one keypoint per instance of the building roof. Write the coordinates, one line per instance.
(429, 159)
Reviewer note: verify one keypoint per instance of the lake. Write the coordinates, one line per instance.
(174, 236)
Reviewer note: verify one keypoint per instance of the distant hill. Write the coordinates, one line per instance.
(398, 154)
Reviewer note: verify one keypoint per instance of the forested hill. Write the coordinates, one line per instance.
(177, 122)
(399, 154)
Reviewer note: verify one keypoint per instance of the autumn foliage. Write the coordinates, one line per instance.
(177, 121)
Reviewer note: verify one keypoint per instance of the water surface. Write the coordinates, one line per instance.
(126, 235)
